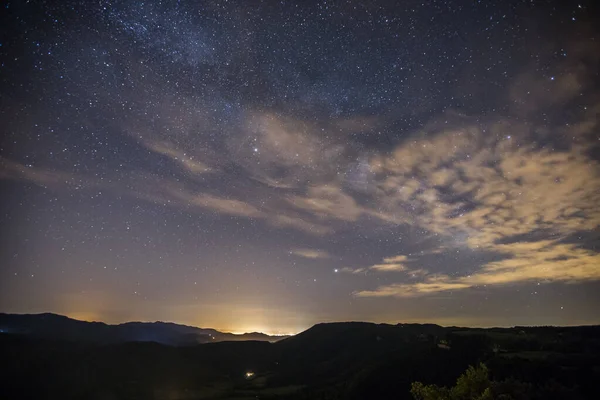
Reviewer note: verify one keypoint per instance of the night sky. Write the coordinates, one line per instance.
(265, 166)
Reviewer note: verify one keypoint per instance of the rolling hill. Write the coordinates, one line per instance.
(54, 326)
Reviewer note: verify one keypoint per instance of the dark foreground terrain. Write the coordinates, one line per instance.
(329, 361)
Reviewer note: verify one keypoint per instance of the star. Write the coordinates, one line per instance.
(226, 155)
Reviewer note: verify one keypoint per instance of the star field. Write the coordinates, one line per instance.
(265, 166)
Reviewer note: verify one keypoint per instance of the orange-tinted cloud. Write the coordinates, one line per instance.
(311, 253)
(491, 191)
(543, 261)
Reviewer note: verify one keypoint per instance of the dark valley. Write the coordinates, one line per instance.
(54, 357)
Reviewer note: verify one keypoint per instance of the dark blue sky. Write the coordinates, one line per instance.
(270, 165)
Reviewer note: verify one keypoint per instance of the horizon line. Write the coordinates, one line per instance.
(279, 334)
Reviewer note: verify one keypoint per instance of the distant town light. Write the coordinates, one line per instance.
(249, 374)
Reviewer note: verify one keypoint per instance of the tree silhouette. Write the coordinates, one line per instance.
(474, 384)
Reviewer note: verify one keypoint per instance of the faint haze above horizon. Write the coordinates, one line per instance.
(272, 334)
(266, 166)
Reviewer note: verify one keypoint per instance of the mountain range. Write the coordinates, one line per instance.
(54, 326)
(54, 357)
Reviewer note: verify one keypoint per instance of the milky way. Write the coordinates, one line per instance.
(270, 165)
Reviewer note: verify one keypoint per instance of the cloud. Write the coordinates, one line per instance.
(542, 261)
(328, 202)
(411, 290)
(311, 253)
(391, 264)
(160, 190)
(492, 189)
(46, 177)
(417, 273)
(284, 152)
(187, 161)
(499, 187)
(354, 271)
(395, 259)
(225, 206)
(567, 79)
(302, 224)
(287, 141)
(388, 267)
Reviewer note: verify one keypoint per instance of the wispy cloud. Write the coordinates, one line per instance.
(543, 261)
(395, 259)
(328, 202)
(391, 264)
(410, 290)
(187, 161)
(225, 206)
(388, 267)
(568, 78)
(355, 271)
(284, 152)
(311, 253)
(281, 220)
(160, 190)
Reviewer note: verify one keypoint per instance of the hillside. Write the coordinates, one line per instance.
(353, 360)
(53, 326)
